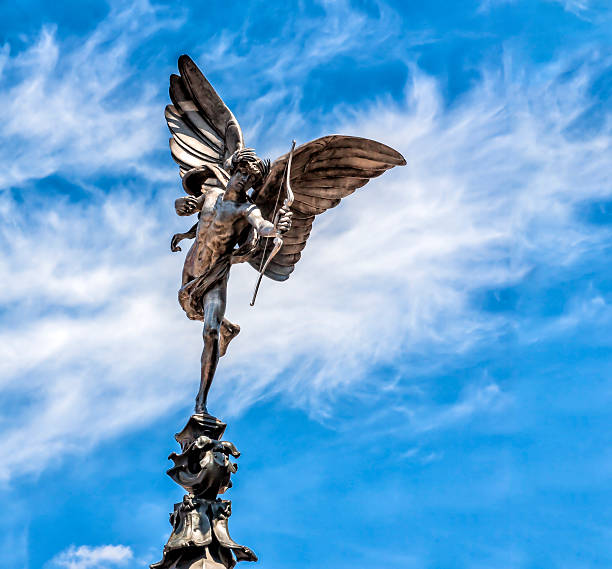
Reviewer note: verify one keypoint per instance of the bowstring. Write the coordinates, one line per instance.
(280, 190)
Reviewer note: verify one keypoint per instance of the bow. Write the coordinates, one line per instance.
(278, 240)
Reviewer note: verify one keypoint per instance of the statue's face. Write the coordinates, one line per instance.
(241, 180)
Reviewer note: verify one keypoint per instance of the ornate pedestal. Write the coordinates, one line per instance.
(200, 538)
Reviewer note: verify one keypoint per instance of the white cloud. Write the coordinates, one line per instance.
(486, 5)
(67, 110)
(95, 343)
(476, 399)
(489, 193)
(62, 261)
(579, 8)
(86, 557)
(278, 68)
(90, 320)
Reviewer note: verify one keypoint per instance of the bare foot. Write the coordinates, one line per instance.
(228, 332)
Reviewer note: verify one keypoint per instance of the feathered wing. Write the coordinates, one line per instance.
(204, 131)
(323, 172)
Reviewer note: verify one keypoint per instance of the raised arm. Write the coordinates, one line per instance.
(188, 205)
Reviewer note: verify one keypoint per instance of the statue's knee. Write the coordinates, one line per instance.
(211, 333)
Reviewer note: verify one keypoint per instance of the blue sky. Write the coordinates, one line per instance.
(430, 389)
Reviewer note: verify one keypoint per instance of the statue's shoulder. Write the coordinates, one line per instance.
(247, 207)
(213, 194)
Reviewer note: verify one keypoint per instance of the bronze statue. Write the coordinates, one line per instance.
(235, 225)
(243, 203)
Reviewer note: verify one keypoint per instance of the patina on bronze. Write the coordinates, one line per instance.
(242, 203)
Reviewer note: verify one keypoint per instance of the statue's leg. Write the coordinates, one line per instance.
(214, 309)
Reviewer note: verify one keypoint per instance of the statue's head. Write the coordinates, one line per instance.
(248, 164)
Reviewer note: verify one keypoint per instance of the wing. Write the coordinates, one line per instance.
(204, 131)
(323, 172)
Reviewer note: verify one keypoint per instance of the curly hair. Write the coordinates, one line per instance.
(257, 167)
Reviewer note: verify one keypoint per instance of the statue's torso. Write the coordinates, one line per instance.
(219, 227)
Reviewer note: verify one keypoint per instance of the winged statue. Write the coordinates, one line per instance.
(249, 210)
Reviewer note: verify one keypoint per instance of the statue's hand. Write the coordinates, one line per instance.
(284, 220)
(176, 239)
(186, 205)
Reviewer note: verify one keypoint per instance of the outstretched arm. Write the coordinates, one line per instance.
(178, 237)
(266, 228)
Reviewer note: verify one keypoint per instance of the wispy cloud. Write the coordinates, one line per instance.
(580, 8)
(278, 68)
(64, 260)
(577, 7)
(89, 318)
(489, 192)
(476, 399)
(85, 557)
(66, 108)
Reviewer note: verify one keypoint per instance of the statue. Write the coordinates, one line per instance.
(249, 210)
(234, 226)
